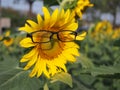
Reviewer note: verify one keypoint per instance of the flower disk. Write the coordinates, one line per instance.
(50, 58)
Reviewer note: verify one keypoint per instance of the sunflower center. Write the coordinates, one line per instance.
(51, 49)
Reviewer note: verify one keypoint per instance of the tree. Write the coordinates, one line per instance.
(30, 2)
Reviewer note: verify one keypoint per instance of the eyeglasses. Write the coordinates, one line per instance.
(43, 36)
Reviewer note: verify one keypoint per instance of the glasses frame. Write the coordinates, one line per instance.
(52, 33)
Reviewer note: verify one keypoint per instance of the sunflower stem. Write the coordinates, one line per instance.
(63, 3)
(58, 1)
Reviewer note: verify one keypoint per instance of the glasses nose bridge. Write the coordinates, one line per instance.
(54, 33)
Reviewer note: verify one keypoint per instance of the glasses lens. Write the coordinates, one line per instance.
(66, 36)
(41, 36)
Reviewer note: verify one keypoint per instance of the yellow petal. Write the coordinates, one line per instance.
(54, 17)
(27, 42)
(32, 23)
(46, 13)
(33, 73)
(68, 56)
(81, 36)
(31, 62)
(72, 27)
(67, 15)
(61, 59)
(61, 14)
(39, 19)
(61, 65)
(45, 68)
(74, 51)
(28, 56)
(71, 45)
(40, 70)
(46, 17)
(52, 67)
(26, 28)
(36, 68)
(24, 60)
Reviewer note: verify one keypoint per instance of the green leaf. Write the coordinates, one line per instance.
(101, 86)
(12, 77)
(46, 87)
(50, 2)
(86, 62)
(117, 42)
(103, 71)
(71, 4)
(20, 81)
(117, 84)
(63, 77)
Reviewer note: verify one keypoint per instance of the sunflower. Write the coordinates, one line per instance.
(80, 6)
(116, 33)
(7, 40)
(102, 30)
(49, 58)
(104, 27)
(1, 37)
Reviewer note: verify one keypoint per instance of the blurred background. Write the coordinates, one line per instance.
(102, 10)
(96, 69)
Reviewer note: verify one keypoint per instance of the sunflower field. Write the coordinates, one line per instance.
(61, 49)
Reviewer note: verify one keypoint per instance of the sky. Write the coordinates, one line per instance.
(37, 8)
(22, 6)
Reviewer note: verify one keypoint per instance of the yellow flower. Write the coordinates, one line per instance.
(104, 26)
(80, 6)
(50, 58)
(7, 34)
(102, 30)
(116, 33)
(8, 41)
(1, 38)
